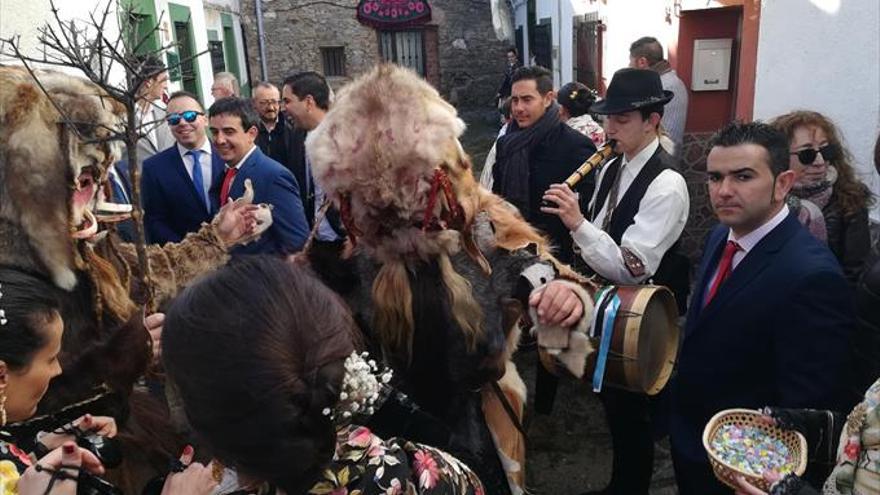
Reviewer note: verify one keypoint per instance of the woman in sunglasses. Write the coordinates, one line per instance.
(826, 179)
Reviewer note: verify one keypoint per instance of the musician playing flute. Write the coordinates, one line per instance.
(629, 235)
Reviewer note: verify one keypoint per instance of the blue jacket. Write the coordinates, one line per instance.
(777, 333)
(172, 207)
(275, 185)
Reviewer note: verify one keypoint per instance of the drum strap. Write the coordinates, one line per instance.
(607, 313)
(509, 410)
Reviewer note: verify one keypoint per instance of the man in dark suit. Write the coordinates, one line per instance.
(306, 100)
(233, 123)
(770, 319)
(180, 186)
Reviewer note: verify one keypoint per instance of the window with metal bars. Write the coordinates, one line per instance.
(333, 58)
(406, 48)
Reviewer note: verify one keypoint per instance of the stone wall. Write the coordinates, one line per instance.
(471, 57)
(701, 219)
(294, 35)
(463, 57)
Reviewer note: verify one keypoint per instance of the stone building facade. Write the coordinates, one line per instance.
(457, 51)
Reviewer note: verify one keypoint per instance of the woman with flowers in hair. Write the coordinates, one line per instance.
(442, 270)
(574, 101)
(278, 392)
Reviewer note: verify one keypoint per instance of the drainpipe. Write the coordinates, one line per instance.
(559, 41)
(261, 40)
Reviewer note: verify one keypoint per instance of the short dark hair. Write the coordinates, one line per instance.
(576, 98)
(543, 78)
(647, 111)
(28, 302)
(242, 108)
(310, 83)
(512, 49)
(759, 133)
(255, 383)
(647, 47)
(505, 107)
(185, 94)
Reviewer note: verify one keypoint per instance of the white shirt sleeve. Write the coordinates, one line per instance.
(659, 222)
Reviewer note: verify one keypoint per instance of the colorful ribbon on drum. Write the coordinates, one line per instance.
(602, 324)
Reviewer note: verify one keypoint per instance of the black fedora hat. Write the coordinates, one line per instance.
(632, 89)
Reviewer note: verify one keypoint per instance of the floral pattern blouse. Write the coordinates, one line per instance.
(13, 462)
(588, 127)
(858, 462)
(366, 465)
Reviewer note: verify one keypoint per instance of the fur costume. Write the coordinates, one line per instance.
(49, 174)
(442, 267)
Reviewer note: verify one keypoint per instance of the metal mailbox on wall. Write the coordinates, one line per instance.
(711, 70)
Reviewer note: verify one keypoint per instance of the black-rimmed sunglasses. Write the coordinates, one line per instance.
(830, 153)
(189, 116)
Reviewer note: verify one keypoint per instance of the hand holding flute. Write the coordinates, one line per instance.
(561, 200)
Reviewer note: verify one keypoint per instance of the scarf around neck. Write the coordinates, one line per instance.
(819, 193)
(511, 171)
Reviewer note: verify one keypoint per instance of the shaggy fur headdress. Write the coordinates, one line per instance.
(37, 178)
(388, 155)
(388, 152)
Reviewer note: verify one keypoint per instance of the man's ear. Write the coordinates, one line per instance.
(784, 182)
(549, 98)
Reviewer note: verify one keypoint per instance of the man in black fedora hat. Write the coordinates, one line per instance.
(630, 236)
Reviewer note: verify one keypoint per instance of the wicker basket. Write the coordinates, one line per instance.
(795, 442)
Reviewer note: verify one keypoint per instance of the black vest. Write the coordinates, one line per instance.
(674, 269)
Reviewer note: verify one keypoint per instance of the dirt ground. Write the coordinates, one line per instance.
(569, 451)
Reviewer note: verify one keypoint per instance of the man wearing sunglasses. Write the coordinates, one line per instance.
(181, 185)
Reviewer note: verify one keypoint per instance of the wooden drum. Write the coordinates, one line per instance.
(643, 344)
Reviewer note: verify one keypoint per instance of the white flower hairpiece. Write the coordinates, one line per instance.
(361, 387)
(3, 320)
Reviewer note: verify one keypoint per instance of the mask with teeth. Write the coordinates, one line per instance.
(51, 167)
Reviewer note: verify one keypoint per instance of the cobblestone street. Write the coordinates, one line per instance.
(569, 451)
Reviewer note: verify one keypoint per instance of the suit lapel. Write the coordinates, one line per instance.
(218, 171)
(752, 265)
(707, 269)
(237, 186)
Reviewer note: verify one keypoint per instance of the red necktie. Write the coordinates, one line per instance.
(227, 183)
(725, 267)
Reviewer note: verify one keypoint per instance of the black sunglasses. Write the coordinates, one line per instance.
(830, 152)
(189, 116)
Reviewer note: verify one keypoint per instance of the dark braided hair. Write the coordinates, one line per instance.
(576, 98)
(257, 350)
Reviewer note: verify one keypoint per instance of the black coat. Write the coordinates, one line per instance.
(849, 238)
(560, 153)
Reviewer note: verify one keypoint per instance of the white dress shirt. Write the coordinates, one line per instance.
(750, 240)
(205, 162)
(660, 220)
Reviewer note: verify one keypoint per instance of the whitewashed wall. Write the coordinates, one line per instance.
(25, 17)
(824, 55)
(626, 21)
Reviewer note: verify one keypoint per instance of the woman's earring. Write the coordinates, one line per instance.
(2, 408)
